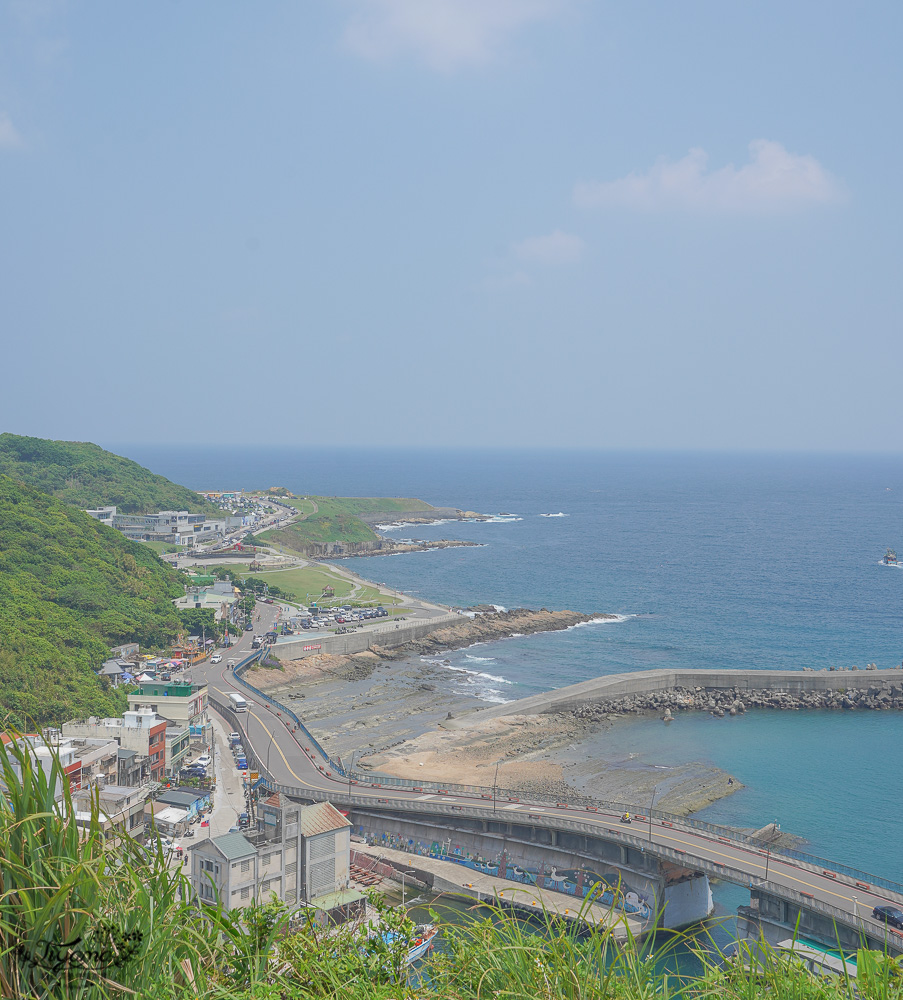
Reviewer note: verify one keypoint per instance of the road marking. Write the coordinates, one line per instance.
(515, 806)
(422, 798)
(279, 748)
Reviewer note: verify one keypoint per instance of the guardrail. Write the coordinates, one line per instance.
(811, 861)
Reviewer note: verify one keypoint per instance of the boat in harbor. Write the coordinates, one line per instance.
(420, 943)
(890, 558)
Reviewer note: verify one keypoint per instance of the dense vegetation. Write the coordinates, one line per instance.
(81, 916)
(69, 589)
(86, 476)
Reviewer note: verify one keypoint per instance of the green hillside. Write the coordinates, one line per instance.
(327, 520)
(69, 589)
(86, 476)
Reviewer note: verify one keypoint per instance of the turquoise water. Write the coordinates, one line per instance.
(717, 561)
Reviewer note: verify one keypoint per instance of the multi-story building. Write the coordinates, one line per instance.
(95, 762)
(139, 729)
(301, 854)
(178, 527)
(121, 809)
(182, 702)
(178, 747)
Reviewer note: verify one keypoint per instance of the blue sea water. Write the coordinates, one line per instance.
(754, 561)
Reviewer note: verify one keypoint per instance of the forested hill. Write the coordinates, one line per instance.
(69, 589)
(87, 476)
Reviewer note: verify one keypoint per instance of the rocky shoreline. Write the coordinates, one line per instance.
(392, 548)
(880, 696)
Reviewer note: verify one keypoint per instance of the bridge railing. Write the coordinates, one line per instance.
(516, 795)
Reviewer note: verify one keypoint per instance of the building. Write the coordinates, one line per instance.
(120, 809)
(193, 800)
(94, 763)
(178, 747)
(218, 598)
(182, 702)
(300, 854)
(176, 527)
(139, 729)
(170, 821)
(133, 768)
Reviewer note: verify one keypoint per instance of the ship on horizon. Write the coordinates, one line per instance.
(890, 558)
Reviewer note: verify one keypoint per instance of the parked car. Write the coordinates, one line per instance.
(241, 764)
(889, 915)
(204, 760)
(234, 738)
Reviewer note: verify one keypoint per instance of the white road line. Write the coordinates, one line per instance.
(515, 806)
(421, 798)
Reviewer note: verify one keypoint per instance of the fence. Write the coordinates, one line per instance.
(811, 861)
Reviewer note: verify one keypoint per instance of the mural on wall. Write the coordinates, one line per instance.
(607, 888)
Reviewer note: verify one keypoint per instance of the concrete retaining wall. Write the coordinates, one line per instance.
(388, 635)
(602, 689)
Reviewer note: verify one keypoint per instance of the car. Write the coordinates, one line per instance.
(216, 658)
(249, 628)
(234, 829)
(241, 764)
(204, 760)
(234, 738)
(889, 915)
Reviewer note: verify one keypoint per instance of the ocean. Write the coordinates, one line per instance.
(753, 561)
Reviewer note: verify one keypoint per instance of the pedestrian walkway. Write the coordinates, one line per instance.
(449, 877)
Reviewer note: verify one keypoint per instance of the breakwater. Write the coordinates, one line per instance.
(708, 690)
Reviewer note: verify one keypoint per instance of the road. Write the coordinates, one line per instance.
(275, 744)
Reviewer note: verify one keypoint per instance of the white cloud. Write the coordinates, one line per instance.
(774, 179)
(445, 34)
(556, 248)
(9, 135)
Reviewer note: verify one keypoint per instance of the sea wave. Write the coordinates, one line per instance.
(501, 519)
(477, 673)
(559, 514)
(479, 659)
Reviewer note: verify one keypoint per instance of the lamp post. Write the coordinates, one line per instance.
(651, 804)
(495, 785)
(767, 860)
(350, 769)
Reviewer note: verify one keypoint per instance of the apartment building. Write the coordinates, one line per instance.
(182, 702)
(139, 729)
(300, 854)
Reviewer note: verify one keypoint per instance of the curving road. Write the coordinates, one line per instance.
(276, 745)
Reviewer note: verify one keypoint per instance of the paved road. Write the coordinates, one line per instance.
(275, 744)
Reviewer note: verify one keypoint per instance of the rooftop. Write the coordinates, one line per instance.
(323, 817)
(233, 846)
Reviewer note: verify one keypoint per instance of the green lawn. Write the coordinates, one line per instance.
(310, 580)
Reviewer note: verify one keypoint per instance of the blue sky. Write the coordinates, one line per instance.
(453, 222)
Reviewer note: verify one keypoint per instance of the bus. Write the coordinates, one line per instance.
(237, 703)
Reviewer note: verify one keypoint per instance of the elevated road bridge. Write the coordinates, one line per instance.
(830, 902)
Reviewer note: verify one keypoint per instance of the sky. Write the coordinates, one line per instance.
(460, 223)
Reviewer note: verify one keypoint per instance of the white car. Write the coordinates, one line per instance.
(216, 658)
(205, 760)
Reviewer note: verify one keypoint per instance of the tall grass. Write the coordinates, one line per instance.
(82, 916)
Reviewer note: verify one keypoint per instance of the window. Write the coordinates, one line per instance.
(246, 892)
(265, 859)
(208, 866)
(246, 866)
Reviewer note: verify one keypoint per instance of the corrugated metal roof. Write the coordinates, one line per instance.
(320, 818)
(233, 846)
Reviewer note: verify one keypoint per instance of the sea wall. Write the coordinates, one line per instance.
(645, 690)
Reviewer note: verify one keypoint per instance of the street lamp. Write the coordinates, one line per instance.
(495, 785)
(651, 804)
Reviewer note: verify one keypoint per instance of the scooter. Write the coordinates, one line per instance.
(625, 818)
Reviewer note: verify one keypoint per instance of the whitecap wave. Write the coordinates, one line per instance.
(477, 673)
(479, 659)
(559, 514)
(501, 519)
(617, 619)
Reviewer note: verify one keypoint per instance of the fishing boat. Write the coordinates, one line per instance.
(424, 936)
(890, 558)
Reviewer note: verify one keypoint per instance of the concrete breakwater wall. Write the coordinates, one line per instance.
(649, 690)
